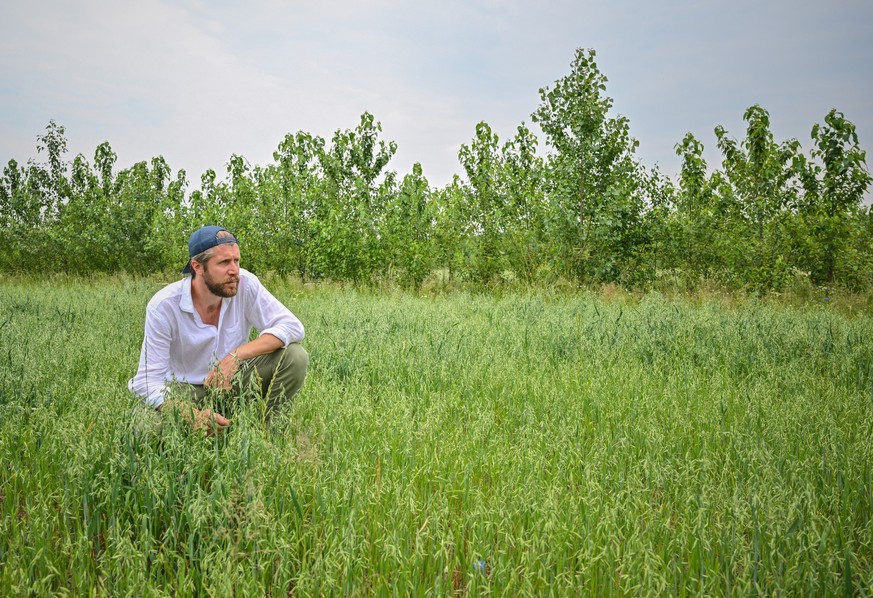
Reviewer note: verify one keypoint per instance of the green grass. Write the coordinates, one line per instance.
(517, 444)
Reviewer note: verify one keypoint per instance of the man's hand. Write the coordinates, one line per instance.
(211, 421)
(221, 376)
(199, 419)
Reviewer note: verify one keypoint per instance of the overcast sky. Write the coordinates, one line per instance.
(199, 80)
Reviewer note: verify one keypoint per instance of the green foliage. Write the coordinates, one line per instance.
(347, 242)
(758, 180)
(586, 212)
(525, 209)
(698, 213)
(835, 183)
(484, 198)
(293, 200)
(594, 204)
(771, 214)
(409, 228)
(451, 229)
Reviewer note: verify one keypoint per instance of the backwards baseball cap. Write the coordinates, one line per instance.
(203, 239)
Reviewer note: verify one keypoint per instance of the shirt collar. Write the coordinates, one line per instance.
(187, 302)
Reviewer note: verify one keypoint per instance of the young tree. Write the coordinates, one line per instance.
(593, 176)
(408, 229)
(524, 207)
(701, 219)
(484, 202)
(759, 177)
(294, 201)
(133, 214)
(170, 228)
(241, 209)
(452, 229)
(664, 251)
(55, 189)
(20, 216)
(46, 196)
(834, 183)
(347, 240)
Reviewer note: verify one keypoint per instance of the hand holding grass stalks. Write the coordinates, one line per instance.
(221, 376)
(199, 419)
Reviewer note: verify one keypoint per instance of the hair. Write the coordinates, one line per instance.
(203, 257)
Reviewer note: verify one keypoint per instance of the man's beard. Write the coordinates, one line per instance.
(225, 289)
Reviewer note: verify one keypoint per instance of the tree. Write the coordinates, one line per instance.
(759, 178)
(698, 215)
(834, 183)
(593, 177)
(19, 216)
(55, 190)
(347, 239)
(133, 213)
(484, 223)
(241, 209)
(295, 201)
(32, 200)
(451, 234)
(664, 249)
(524, 205)
(408, 230)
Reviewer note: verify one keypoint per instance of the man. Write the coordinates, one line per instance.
(197, 336)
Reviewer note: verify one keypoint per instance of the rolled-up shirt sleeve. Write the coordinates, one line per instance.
(150, 379)
(268, 315)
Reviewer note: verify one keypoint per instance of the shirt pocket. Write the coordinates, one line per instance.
(232, 336)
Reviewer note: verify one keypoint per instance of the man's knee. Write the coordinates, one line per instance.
(288, 377)
(280, 373)
(291, 369)
(294, 361)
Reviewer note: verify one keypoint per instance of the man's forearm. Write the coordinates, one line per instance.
(266, 343)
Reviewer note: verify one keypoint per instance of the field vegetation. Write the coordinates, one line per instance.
(573, 203)
(519, 443)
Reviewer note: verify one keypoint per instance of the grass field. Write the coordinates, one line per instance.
(515, 444)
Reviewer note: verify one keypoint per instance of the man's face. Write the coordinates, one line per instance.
(221, 273)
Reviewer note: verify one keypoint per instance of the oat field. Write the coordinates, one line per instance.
(472, 444)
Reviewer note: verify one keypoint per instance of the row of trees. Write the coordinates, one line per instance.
(587, 211)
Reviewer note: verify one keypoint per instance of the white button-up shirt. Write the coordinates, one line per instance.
(178, 346)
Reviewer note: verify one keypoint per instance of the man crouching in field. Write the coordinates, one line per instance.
(197, 331)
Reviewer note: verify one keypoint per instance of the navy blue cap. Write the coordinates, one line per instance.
(203, 239)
